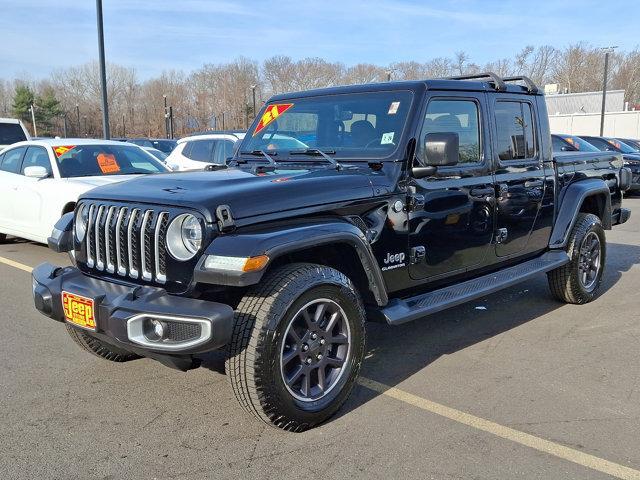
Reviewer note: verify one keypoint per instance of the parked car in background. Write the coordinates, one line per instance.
(12, 131)
(41, 180)
(197, 151)
(165, 145)
(571, 143)
(635, 144)
(630, 157)
(158, 154)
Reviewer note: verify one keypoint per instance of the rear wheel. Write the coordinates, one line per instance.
(297, 346)
(3, 237)
(98, 347)
(579, 280)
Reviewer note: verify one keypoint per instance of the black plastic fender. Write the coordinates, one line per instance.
(572, 200)
(279, 240)
(61, 239)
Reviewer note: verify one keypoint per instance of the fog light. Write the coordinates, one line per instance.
(154, 330)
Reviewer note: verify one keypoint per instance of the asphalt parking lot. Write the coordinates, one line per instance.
(514, 386)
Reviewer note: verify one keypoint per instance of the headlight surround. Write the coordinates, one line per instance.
(80, 222)
(184, 237)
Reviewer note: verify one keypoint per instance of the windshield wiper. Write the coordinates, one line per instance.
(317, 151)
(264, 154)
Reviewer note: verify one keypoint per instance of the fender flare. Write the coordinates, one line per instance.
(572, 201)
(276, 241)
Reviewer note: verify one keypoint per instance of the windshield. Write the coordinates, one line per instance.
(165, 146)
(11, 133)
(360, 125)
(623, 147)
(99, 160)
(580, 144)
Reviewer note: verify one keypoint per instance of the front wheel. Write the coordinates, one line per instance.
(297, 346)
(579, 280)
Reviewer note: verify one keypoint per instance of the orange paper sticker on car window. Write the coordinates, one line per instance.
(270, 114)
(62, 149)
(107, 163)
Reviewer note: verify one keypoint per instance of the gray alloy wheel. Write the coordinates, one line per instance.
(589, 261)
(315, 349)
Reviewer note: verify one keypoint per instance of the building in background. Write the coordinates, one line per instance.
(587, 102)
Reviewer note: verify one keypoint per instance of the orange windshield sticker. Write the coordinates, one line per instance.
(270, 114)
(62, 149)
(107, 163)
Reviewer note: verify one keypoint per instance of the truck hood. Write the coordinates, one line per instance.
(246, 193)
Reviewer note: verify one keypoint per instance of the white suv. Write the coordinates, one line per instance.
(197, 151)
(12, 131)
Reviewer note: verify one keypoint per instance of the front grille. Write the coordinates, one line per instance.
(182, 332)
(125, 241)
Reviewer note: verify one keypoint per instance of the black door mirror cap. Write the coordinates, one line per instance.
(422, 172)
(441, 149)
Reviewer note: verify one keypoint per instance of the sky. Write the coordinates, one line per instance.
(39, 36)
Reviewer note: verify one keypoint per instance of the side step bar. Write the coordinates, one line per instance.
(405, 310)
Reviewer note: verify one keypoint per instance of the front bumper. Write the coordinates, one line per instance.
(116, 306)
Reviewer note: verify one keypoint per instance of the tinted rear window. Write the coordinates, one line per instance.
(11, 133)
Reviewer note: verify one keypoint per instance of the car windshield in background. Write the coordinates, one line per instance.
(623, 147)
(98, 160)
(165, 146)
(359, 125)
(580, 144)
(11, 133)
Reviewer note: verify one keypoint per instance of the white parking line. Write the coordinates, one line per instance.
(516, 436)
(18, 265)
(531, 441)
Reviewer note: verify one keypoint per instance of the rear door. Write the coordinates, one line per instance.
(519, 176)
(454, 226)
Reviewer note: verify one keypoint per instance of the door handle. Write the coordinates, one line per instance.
(481, 192)
(533, 184)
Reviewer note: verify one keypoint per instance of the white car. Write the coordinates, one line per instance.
(11, 131)
(41, 180)
(197, 151)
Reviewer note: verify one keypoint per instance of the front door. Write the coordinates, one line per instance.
(452, 221)
(519, 176)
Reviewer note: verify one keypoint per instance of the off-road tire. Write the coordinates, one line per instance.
(99, 348)
(3, 237)
(253, 360)
(563, 281)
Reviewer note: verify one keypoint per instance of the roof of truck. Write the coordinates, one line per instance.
(488, 82)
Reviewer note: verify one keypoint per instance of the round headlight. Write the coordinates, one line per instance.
(184, 237)
(81, 220)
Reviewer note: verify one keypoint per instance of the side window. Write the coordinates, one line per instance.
(12, 160)
(36, 157)
(454, 116)
(514, 127)
(224, 150)
(200, 150)
(558, 144)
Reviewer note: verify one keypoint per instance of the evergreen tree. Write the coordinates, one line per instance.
(48, 109)
(22, 101)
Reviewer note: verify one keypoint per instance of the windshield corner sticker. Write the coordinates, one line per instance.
(393, 108)
(62, 149)
(270, 114)
(387, 138)
(107, 163)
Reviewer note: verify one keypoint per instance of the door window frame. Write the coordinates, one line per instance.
(479, 98)
(536, 159)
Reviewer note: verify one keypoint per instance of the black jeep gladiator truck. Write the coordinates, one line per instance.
(384, 202)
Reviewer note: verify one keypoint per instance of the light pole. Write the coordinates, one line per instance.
(33, 120)
(388, 75)
(607, 51)
(166, 117)
(253, 91)
(103, 73)
(78, 117)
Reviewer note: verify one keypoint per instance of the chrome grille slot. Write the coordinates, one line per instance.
(127, 241)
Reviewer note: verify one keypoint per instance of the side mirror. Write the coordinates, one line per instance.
(441, 149)
(36, 172)
(567, 148)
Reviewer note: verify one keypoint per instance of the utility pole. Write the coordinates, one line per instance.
(33, 120)
(388, 75)
(166, 117)
(64, 125)
(78, 117)
(124, 130)
(103, 73)
(607, 51)
(170, 121)
(253, 91)
(222, 120)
